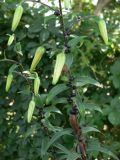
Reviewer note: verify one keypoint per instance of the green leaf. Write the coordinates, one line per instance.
(50, 127)
(55, 91)
(84, 80)
(89, 129)
(92, 107)
(18, 49)
(52, 109)
(36, 26)
(44, 35)
(73, 156)
(55, 137)
(12, 68)
(114, 117)
(40, 100)
(59, 101)
(45, 141)
(103, 150)
(69, 60)
(76, 40)
(115, 68)
(62, 148)
(70, 155)
(25, 90)
(116, 80)
(87, 106)
(30, 131)
(63, 157)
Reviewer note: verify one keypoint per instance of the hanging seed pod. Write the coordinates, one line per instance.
(60, 61)
(17, 16)
(103, 30)
(36, 85)
(73, 122)
(10, 40)
(30, 110)
(38, 55)
(9, 81)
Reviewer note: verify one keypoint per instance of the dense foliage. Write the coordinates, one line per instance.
(94, 65)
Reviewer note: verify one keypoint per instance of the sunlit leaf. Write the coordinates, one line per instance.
(89, 129)
(55, 137)
(55, 91)
(84, 80)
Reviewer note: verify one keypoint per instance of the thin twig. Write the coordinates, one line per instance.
(12, 61)
(62, 23)
(9, 60)
(19, 58)
(24, 76)
(19, 73)
(44, 4)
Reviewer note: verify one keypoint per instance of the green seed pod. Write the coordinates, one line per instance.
(17, 16)
(103, 30)
(10, 40)
(36, 85)
(38, 55)
(9, 81)
(60, 61)
(30, 110)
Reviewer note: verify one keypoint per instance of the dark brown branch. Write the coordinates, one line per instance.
(78, 131)
(62, 23)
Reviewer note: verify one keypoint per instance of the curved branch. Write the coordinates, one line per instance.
(44, 4)
(9, 60)
(100, 5)
(62, 23)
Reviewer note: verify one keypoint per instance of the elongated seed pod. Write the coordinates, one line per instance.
(10, 40)
(103, 30)
(9, 81)
(36, 85)
(30, 110)
(60, 61)
(38, 55)
(17, 16)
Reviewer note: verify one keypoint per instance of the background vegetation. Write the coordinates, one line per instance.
(92, 61)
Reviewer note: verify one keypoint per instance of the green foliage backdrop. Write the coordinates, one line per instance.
(94, 64)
